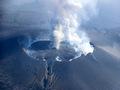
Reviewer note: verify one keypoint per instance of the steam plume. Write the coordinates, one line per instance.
(68, 16)
(71, 13)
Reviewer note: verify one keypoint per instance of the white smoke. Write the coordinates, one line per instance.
(71, 13)
(59, 35)
(67, 17)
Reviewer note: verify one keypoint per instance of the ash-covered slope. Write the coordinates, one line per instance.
(18, 71)
(97, 71)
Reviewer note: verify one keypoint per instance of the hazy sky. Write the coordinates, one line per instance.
(108, 12)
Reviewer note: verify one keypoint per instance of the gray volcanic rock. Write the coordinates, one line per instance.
(96, 71)
(21, 27)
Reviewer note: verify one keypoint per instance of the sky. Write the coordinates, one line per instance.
(108, 12)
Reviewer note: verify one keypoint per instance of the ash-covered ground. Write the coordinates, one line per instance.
(18, 71)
